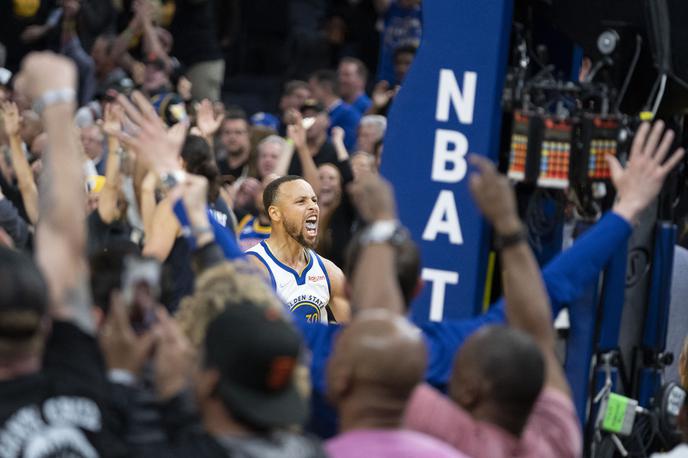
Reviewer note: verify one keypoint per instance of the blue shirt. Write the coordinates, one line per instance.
(362, 104)
(565, 277)
(402, 27)
(346, 117)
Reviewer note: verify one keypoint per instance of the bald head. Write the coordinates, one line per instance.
(366, 360)
(498, 375)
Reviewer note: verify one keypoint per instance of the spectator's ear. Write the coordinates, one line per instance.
(207, 384)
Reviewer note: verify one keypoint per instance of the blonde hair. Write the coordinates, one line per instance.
(683, 365)
(221, 286)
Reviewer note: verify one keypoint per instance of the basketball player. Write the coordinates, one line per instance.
(307, 283)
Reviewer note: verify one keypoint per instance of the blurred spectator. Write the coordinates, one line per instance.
(318, 144)
(295, 94)
(108, 74)
(196, 45)
(323, 85)
(270, 151)
(353, 78)
(362, 163)
(253, 229)
(92, 140)
(402, 26)
(371, 130)
(370, 387)
(403, 58)
(23, 28)
(235, 147)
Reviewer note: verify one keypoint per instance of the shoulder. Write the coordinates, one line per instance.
(553, 427)
(334, 272)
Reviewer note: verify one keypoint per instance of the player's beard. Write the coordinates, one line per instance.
(296, 232)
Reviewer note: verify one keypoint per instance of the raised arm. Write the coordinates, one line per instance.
(22, 169)
(527, 303)
(207, 121)
(50, 80)
(107, 204)
(375, 283)
(297, 134)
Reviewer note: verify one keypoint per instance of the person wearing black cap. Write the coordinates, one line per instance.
(52, 379)
(245, 390)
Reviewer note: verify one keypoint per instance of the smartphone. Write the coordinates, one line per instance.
(140, 290)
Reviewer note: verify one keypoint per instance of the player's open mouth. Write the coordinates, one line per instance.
(312, 225)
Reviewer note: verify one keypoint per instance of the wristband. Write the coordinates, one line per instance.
(172, 179)
(388, 231)
(53, 97)
(121, 377)
(502, 242)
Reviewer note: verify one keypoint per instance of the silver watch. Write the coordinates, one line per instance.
(388, 231)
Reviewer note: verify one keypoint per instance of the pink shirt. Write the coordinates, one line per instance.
(388, 443)
(552, 429)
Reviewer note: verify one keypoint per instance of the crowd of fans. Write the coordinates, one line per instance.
(178, 278)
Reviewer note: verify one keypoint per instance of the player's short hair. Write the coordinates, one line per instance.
(271, 190)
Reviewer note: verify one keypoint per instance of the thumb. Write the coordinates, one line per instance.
(146, 342)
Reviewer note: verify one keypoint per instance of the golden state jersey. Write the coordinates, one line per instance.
(306, 294)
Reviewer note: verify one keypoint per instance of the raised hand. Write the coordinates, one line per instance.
(382, 94)
(493, 195)
(112, 118)
(640, 182)
(158, 147)
(122, 348)
(173, 357)
(44, 71)
(206, 119)
(11, 118)
(373, 198)
(337, 135)
(296, 132)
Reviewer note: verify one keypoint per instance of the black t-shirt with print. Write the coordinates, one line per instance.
(60, 411)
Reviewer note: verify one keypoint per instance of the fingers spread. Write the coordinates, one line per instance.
(639, 140)
(673, 161)
(653, 139)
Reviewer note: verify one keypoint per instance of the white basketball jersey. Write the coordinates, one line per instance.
(306, 294)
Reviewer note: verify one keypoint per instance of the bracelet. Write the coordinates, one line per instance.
(502, 242)
(54, 97)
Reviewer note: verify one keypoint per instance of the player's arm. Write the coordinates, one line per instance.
(339, 304)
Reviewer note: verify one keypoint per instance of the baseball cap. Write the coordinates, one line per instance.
(312, 104)
(265, 120)
(24, 298)
(256, 351)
